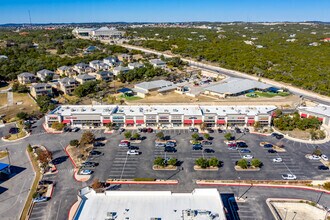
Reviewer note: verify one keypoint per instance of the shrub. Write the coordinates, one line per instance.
(202, 162)
(228, 136)
(195, 136)
(207, 136)
(213, 162)
(326, 185)
(74, 142)
(256, 163)
(160, 135)
(87, 138)
(242, 164)
(22, 115)
(159, 161)
(317, 152)
(58, 126)
(128, 134)
(29, 148)
(136, 136)
(172, 161)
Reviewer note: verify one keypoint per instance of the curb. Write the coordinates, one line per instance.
(51, 132)
(66, 151)
(5, 140)
(143, 182)
(265, 186)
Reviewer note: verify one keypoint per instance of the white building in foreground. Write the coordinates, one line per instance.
(201, 204)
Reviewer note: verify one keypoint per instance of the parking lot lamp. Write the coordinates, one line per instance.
(286, 212)
(295, 213)
(239, 186)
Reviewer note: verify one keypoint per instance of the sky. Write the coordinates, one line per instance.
(56, 11)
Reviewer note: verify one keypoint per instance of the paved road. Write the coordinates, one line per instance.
(300, 92)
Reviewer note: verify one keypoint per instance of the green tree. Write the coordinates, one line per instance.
(87, 138)
(22, 115)
(207, 136)
(136, 136)
(160, 135)
(256, 163)
(195, 136)
(172, 161)
(128, 135)
(74, 142)
(89, 87)
(57, 126)
(242, 163)
(214, 162)
(45, 103)
(202, 162)
(256, 125)
(228, 136)
(159, 161)
(317, 152)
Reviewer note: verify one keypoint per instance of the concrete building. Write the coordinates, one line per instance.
(200, 204)
(67, 85)
(144, 88)
(135, 65)
(159, 116)
(43, 74)
(158, 63)
(26, 78)
(62, 70)
(39, 89)
(83, 78)
(322, 112)
(120, 69)
(236, 87)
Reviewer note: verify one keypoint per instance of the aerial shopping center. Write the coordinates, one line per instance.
(161, 116)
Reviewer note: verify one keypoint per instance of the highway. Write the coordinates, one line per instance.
(297, 91)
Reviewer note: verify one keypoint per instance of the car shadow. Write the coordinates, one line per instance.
(60, 160)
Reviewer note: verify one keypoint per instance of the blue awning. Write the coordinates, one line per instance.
(3, 166)
(124, 90)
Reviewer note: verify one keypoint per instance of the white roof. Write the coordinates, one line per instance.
(67, 110)
(153, 84)
(244, 110)
(319, 109)
(159, 109)
(203, 204)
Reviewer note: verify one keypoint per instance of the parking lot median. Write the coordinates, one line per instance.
(143, 181)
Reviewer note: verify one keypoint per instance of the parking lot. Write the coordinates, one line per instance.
(115, 163)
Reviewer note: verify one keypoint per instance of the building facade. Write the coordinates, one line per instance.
(39, 89)
(321, 112)
(160, 116)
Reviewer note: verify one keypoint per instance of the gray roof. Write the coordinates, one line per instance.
(26, 74)
(45, 72)
(81, 65)
(136, 64)
(85, 76)
(153, 84)
(121, 68)
(67, 80)
(167, 88)
(64, 68)
(40, 85)
(237, 86)
(320, 110)
(157, 62)
(104, 73)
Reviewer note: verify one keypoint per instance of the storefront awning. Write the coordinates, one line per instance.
(250, 121)
(141, 121)
(187, 121)
(198, 121)
(66, 121)
(320, 119)
(221, 122)
(129, 121)
(303, 115)
(106, 121)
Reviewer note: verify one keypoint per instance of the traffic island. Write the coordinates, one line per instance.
(16, 137)
(165, 168)
(80, 178)
(51, 130)
(211, 168)
(3, 154)
(142, 181)
(251, 168)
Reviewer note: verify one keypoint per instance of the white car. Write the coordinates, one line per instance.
(248, 157)
(133, 152)
(324, 157)
(85, 172)
(289, 176)
(314, 157)
(277, 160)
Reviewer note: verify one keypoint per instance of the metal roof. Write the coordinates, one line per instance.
(153, 84)
(320, 109)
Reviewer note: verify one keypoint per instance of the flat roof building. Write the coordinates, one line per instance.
(322, 112)
(200, 204)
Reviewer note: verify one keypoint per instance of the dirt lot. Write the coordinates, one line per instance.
(3, 99)
(27, 105)
(299, 211)
(305, 135)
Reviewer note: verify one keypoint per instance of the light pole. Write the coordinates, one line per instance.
(295, 213)
(286, 212)
(239, 186)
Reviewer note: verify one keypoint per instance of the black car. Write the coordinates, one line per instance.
(207, 142)
(210, 130)
(238, 131)
(75, 129)
(98, 144)
(272, 151)
(169, 149)
(67, 129)
(323, 167)
(133, 147)
(246, 130)
(208, 150)
(197, 147)
(268, 146)
(95, 153)
(280, 136)
(241, 145)
(89, 164)
(121, 130)
(45, 182)
(13, 130)
(219, 130)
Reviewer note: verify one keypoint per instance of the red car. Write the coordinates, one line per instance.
(150, 130)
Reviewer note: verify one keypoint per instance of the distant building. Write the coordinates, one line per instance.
(62, 69)
(67, 85)
(125, 57)
(120, 69)
(39, 89)
(98, 33)
(91, 49)
(43, 74)
(144, 88)
(158, 63)
(321, 112)
(80, 67)
(135, 65)
(99, 65)
(103, 75)
(26, 78)
(111, 61)
(83, 78)
(3, 57)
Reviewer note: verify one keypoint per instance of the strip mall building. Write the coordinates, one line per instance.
(160, 115)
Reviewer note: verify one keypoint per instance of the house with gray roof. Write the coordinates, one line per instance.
(103, 75)
(80, 67)
(236, 87)
(43, 74)
(135, 65)
(38, 89)
(26, 78)
(142, 89)
(83, 78)
(120, 69)
(67, 85)
(111, 61)
(158, 63)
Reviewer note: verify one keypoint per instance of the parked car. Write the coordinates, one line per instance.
(324, 157)
(133, 147)
(210, 130)
(40, 199)
(133, 152)
(150, 130)
(289, 177)
(248, 157)
(277, 160)
(245, 151)
(219, 130)
(121, 130)
(45, 182)
(314, 157)
(238, 131)
(206, 142)
(323, 167)
(232, 144)
(268, 146)
(197, 147)
(124, 144)
(75, 129)
(85, 172)
(98, 144)
(208, 150)
(170, 149)
(89, 164)
(272, 151)
(246, 130)
(241, 145)
(95, 153)
(67, 129)
(159, 144)
(170, 144)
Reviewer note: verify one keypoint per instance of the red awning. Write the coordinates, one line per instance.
(141, 121)
(250, 121)
(106, 121)
(320, 119)
(303, 115)
(66, 121)
(129, 121)
(198, 121)
(187, 121)
(221, 122)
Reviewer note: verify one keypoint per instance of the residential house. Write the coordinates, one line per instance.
(67, 85)
(120, 69)
(103, 75)
(44, 74)
(38, 89)
(111, 61)
(99, 65)
(83, 78)
(125, 57)
(135, 65)
(80, 67)
(26, 78)
(62, 70)
(158, 63)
